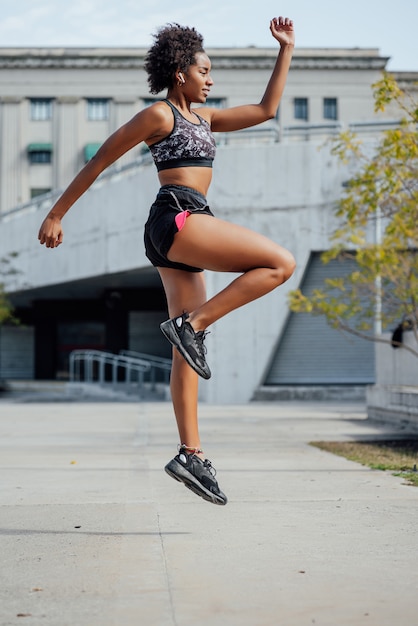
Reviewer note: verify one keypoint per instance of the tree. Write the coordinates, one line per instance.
(378, 217)
(6, 269)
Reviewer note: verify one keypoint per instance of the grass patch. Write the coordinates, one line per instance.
(400, 456)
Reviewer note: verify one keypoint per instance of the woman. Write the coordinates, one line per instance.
(182, 237)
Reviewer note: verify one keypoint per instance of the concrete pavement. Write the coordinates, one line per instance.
(94, 533)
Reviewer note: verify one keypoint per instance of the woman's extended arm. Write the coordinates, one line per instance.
(143, 126)
(236, 118)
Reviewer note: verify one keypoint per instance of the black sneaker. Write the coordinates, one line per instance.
(180, 333)
(197, 475)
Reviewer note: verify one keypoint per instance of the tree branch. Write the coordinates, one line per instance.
(375, 338)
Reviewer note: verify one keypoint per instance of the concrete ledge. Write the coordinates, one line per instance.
(64, 391)
(40, 386)
(310, 393)
(393, 404)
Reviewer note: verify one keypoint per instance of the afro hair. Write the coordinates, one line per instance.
(174, 48)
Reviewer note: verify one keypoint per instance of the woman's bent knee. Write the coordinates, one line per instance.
(289, 266)
(285, 267)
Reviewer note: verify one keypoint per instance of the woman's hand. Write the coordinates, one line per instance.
(282, 29)
(51, 233)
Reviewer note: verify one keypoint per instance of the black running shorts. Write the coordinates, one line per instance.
(167, 216)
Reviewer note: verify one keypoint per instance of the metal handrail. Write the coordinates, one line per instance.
(149, 358)
(100, 374)
(311, 128)
(376, 125)
(157, 364)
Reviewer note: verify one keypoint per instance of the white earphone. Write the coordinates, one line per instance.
(181, 78)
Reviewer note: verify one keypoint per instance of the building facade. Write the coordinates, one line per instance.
(58, 105)
(98, 290)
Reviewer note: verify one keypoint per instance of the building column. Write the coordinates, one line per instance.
(10, 153)
(122, 110)
(65, 141)
(45, 324)
(117, 322)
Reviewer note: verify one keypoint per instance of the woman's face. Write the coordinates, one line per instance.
(198, 80)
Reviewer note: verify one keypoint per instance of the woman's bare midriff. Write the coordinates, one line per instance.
(198, 178)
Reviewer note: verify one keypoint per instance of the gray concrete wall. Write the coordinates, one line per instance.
(392, 404)
(394, 397)
(397, 366)
(72, 75)
(285, 191)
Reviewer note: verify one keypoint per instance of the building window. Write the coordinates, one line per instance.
(330, 109)
(90, 150)
(301, 108)
(40, 156)
(97, 109)
(216, 103)
(148, 101)
(40, 153)
(39, 191)
(40, 109)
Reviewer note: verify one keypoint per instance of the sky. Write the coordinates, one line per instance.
(389, 26)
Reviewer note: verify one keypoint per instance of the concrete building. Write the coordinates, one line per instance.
(98, 289)
(58, 105)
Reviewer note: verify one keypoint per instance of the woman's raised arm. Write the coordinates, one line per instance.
(236, 118)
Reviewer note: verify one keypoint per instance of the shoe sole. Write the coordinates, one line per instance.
(182, 475)
(170, 334)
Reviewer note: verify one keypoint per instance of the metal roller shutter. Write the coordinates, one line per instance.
(311, 352)
(17, 352)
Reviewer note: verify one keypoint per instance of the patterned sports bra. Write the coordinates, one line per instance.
(188, 144)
